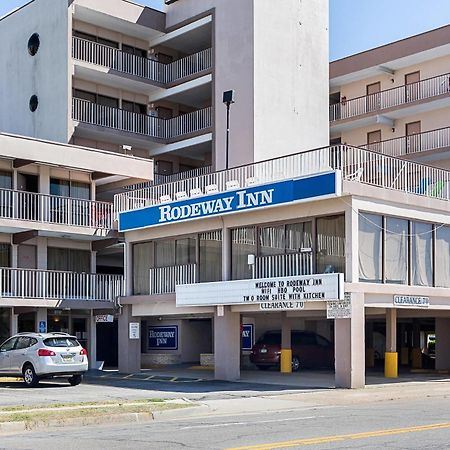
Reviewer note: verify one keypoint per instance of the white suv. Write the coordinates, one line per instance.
(35, 356)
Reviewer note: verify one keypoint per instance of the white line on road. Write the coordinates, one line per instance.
(215, 425)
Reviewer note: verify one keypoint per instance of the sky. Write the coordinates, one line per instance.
(356, 25)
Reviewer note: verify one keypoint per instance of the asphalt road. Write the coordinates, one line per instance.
(413, 416)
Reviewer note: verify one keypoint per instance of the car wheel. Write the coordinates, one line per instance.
(75, 380)
(29, 376)
(295, 364)
(263, 367)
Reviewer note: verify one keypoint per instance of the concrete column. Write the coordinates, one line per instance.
(41, 253)
(92, 350)
(93, 262)
(44, 179)
(416, 350)
(14, 255)
(391, 356)
(227, 342)
(370, 352)
(226, 254)
(14, 323)
(129, 349)
(286, 349)
(349, 347)
(404, 348)
(442, 343)
(128, 268)
(41, 316)
(351, 244)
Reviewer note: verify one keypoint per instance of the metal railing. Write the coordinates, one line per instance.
(162, 179)
(149, 69)
(155, 127)
(356, 164)
(375, 103)
(287, 265)
(21, 205)
(406, 145)
(164, 279)
(57, 285)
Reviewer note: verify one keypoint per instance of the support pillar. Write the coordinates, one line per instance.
(286, 349)
(128, 268)
(349, 344)
(227, 343)
(92, 350)
(41, 316)
(391, 356)
(442, 343)
(14, 323)
(416, 350)
(370, 352)
(129, 349)
(404, 348)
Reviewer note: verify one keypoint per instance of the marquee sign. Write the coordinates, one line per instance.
(315, 186)
(270, 294)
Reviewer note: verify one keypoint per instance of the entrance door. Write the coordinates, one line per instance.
(28, 203)
(108, 343)
(373, 99)
(80, 330)
(412, 131)
(373, 141)
(412, 86)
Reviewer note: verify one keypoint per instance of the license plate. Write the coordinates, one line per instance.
(67, 358)
(263, 350)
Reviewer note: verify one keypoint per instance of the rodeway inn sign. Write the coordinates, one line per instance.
(267, 195)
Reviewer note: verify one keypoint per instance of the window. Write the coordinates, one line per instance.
(422, 254)
(5, 180)
(92, 97)
(330, 244)
(298, 237)
(85, 95)
(134, 51)
(272, 240)
(210, 253)
(73, 189)
(34, 103)
(68, 259)
(370, 248)
(142, 262)
(93, 38)
(5, 251)
(59, 342)
(24, 342)
(185, 251)
(396, 245)
(33, 44)
(8, 345)
(443, 256)
(243, 243)
(137, 108)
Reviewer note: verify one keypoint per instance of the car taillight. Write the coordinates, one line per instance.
(46, 352)
(83, 352)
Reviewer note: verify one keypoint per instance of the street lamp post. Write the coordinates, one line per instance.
(228, 99)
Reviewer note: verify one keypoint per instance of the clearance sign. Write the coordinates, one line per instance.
(300, 189)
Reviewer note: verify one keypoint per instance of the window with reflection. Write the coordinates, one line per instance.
(443, 256)
(243, 243)
(143, 261)
(210, 254)
(396, 251)
(371, 248)
(330, 244)
(422, 254)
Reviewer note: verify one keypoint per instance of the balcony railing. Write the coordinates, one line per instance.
(406, 145)
(56, 285)
(164, 279)
(154, 127)
(356, 164)
(20, 205)
(284, 265)
(112, 58)
(401, 95)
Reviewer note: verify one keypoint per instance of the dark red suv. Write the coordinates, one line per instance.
(309, 350)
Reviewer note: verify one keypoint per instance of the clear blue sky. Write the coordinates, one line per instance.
(357, 25)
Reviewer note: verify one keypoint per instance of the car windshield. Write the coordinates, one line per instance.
(270, 338)
(61, 342)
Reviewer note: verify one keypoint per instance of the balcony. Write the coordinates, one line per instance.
(56, 285)
(144, 68)
(409, 145)
(383, 101)
(52, 209)
(356, 164)
(163, 280)
(162, 130)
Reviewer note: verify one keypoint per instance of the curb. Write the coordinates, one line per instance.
(143, 417)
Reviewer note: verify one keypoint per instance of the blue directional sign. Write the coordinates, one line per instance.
(244, 199)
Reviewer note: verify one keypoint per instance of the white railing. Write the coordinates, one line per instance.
(115, 59)
(406, 145)
(164, 279)
(356, 164)
(284, 265)
(20, 205)
(56, 285)
(162, 179)
(155, 127)
(374, 103)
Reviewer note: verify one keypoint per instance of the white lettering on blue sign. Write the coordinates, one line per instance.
(169, 213)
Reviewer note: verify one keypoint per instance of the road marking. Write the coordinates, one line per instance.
(344, 437)
(215, 425)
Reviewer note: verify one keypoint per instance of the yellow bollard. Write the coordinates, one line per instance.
(286, 361)
(391, 365)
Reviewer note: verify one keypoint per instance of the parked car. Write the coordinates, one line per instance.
(309, 350)
(36, 356)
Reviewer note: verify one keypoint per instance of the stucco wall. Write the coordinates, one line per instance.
(45, 74)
